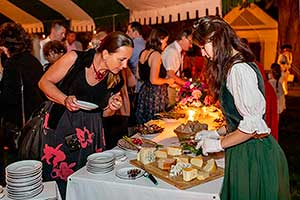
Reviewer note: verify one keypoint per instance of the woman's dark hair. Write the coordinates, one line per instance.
(14, 38)
(276, 73)
(55, 46)
(224, 39)
(115, 40)
(111, 43)
(154, 38)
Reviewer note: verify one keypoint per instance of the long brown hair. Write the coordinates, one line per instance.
(112, 42)
(224, 39)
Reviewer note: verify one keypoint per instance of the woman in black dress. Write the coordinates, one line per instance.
(16, 45)
(91, 76)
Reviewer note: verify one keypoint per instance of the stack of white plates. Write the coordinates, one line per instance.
(120, 155)
(24, 179)
(100, 163)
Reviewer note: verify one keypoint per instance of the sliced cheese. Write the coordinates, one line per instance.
(182, 159)
(202, 175)
(197, 161)
(146, 155)
(189, 173)
(165, 163)
(210, 166)
(161, 153)
(174, 150)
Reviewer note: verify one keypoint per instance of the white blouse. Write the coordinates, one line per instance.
(250, 102)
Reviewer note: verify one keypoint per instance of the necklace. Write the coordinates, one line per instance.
(99, 76)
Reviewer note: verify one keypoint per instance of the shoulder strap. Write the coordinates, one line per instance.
(22, 100)
(150, 55)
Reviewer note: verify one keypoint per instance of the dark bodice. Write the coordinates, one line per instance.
(228, 107)
(26, 65)
(144, 70)
(75, 83)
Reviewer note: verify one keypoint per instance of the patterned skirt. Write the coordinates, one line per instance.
(256, 170)
(152, 99)
(59, 158)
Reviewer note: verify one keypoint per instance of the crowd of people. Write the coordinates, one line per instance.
(130, 78)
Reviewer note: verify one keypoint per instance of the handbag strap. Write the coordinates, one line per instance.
(22, 100)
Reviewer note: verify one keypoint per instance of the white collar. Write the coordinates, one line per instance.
(178, 47)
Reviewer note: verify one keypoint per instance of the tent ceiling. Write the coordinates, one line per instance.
(29, 22)
(158, 11)
(83, 14)
(80, 20)
(45, 11)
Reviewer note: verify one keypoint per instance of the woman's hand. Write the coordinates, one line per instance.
(170, 81)
(70, 103)
(115, 102)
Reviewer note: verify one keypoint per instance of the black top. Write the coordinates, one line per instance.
(75, 83)
(27, 66)
(144, 70)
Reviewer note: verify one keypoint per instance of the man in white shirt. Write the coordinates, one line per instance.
(58, 32)
(72, 43)
(172, 59)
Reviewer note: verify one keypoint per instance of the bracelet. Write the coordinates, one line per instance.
(65, 100)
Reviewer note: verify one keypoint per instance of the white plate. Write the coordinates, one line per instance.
(16, 185)
(118, 153)
(23, 180)
(26, 195)
(123, 173)
(24, 167)
(96, 165)
(86, 105)
(98, 171)
(101, 158)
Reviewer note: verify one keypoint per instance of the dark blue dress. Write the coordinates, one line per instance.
(152, 98)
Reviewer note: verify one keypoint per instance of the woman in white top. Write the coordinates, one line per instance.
(255, 165)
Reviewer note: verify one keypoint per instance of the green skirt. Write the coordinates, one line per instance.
(256, 170)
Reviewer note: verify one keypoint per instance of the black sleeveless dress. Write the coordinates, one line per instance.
(152, 98)
(59, 160)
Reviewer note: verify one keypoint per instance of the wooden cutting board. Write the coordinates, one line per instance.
(178, 180)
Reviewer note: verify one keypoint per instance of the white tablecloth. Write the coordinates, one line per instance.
(83, 185)
(50, 192)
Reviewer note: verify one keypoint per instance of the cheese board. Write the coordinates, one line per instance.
(177, 181)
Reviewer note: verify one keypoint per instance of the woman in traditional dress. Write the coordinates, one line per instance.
(255, 165)
(153, 95)
(74, 132)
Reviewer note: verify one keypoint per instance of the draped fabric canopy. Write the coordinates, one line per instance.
(29, 22)
(158, 11)
(80, 20)
(33, 15)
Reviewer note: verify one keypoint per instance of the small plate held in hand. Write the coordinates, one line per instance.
(86, 105)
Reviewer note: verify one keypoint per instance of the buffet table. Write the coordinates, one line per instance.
(85, 185)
